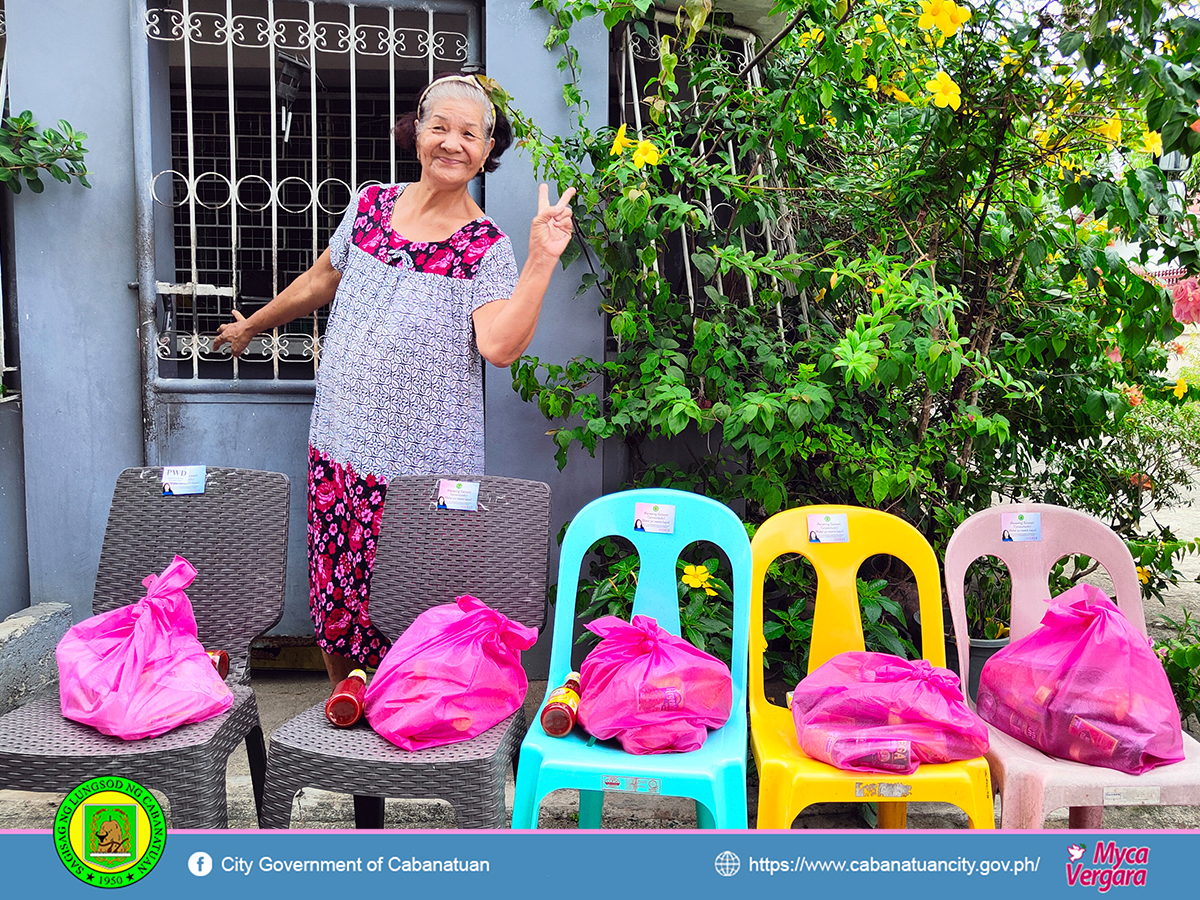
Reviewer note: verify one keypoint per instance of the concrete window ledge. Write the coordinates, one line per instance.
(27, 641)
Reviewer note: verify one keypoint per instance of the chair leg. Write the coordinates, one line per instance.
(1021, 803)
(277, 804)
(526, 803)
(256, 752)
(591, 808)
(200, 805)
(368, 812)
(892, 814)
(1085, 818)
(482, 806)
(774, 801)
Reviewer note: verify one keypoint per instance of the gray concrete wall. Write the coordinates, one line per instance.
(517, 443)
(14, 560)
(14, 551)
(77, 319)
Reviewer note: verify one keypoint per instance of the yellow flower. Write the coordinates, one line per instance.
(1143, 575)
(697, 577)
(1152, 143)
(1180, 389)
(1111, 129)
(898, 94)
(880, 25)
(873, 83)
(930, 10)
(646, 152)
(953, 18)
(800, 118)
(620, 142)
(945, 91)
(945, 15)
(814, 36)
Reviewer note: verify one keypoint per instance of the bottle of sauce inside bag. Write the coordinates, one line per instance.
(558, 715)
(220, 661)
(345, 705)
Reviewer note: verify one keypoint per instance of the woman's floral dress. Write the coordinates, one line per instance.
(399, 392)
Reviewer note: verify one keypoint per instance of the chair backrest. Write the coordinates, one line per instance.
(1064, 532)
(427, 556)
(235, 534)
(837, 619)
(697, 518)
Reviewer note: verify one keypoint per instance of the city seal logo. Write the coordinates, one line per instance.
(110, 832)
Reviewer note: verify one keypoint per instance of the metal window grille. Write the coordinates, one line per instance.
(6, 393)
(635, 58)
(280, 112)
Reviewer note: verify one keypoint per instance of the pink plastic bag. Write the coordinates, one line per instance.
(879, 713)
(139, 671)
(1084, 686)
(651, 690)
(452, 675)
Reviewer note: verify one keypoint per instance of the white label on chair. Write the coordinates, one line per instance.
(828, 528)
(1151, 795)
(1020, 527)
(634, 784)
(177, 480)
(882, 790)
(458, 495)
(655, 518)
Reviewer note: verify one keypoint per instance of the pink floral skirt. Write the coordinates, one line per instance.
(344, 511)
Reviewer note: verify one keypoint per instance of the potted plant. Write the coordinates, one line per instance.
(988, 599)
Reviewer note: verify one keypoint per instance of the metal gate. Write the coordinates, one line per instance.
(256, 122)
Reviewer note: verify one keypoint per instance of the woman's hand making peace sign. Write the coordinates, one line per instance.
(552, 226)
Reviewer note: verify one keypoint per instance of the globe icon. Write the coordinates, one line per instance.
(728, 863)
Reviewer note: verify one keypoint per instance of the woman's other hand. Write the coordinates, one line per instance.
(237, 334)
(552, 226)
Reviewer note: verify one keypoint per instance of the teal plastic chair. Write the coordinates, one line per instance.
(715, 775)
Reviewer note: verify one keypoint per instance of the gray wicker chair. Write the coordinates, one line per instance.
(427, 557)
(235, 534)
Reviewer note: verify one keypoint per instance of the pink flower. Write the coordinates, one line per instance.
(1186, 295)
(325, 495)
(337, 624)
(1113, 353)
(1134, 395)
(371, 241)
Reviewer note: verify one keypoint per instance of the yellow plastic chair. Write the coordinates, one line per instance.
(789, 780)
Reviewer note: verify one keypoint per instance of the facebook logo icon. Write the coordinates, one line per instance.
(200, 864)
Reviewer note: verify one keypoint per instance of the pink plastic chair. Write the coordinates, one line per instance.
(1030, 782)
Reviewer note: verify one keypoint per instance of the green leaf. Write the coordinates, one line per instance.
(1035, 252)
(1070, 42)
(705, 263)
(570, 253)
(1131, 204)
(1103, 195)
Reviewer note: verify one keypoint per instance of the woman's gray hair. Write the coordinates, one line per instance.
(450, 89)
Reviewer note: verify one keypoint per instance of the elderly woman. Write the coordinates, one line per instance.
(423, 285)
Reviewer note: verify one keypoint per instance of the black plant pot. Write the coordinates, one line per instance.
(982, 649)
